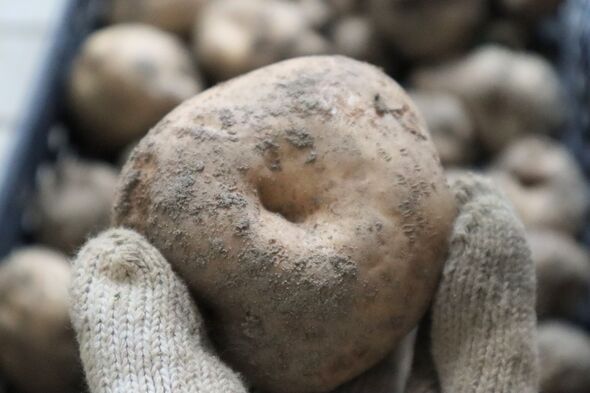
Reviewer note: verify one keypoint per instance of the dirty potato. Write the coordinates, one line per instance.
(305, 206)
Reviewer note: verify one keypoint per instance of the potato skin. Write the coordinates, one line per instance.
(125, 79)
(38, 350)
(306, 208)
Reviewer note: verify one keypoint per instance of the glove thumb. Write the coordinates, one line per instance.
(137, 326)
(483, 316)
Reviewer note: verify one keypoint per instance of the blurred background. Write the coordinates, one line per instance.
(503, 85)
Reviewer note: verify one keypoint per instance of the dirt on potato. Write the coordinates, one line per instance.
(306, 208)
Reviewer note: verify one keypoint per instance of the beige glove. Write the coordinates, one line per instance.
(139, 330)
(482, 333)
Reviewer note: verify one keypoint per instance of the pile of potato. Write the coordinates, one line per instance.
(491, 100)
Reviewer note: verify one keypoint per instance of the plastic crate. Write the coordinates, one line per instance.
(42, 109)
(574, 64)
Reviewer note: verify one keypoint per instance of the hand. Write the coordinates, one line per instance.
(140, 331)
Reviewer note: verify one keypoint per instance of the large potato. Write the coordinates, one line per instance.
(38, 351)
(125, 79)
(305, 206)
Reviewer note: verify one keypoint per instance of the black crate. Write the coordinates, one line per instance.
(42, 110)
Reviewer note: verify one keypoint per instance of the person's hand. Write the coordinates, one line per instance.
(140, 331)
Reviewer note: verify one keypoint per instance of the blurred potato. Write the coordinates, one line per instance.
(564, 354)
(355, 37)
(544, 183)
(124, 80)
(38, 350)
(236, 36)
(176, 16)
(508, 93)
(427, 30)
(319, 13)
(563, 273)
(73, 201)
(449, 125)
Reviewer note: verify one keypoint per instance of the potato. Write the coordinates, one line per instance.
(72, 202)
(125, 79)
(318, 12)
(449, 125)
(544, 183)
(236, 36)
(426, 30)
(306, 208)
(508, 93)
(176, 16)
(563, 273)
(564, 353)
(354, 36)
(38, 351)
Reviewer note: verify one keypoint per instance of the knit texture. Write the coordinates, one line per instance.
(137, 327)
(483, 317)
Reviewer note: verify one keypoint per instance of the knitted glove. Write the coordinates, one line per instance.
(137, 327)
(483, 324)
(139, 330)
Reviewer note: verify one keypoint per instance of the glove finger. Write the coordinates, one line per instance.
(483, 318)
(137, 327)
